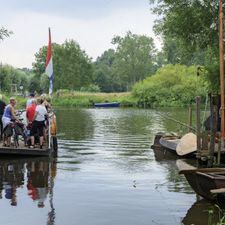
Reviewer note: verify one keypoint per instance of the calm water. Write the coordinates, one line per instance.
(105, 174)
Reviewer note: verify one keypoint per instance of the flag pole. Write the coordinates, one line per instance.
(49, 63)
(222, 73)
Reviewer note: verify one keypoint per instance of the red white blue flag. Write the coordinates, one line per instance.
(49, 64)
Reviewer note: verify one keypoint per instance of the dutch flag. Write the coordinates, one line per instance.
(49, 64)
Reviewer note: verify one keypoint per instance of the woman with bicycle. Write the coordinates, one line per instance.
(9, 116)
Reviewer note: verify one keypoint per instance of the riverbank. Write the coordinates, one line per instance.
(88, 99)
(83, 99)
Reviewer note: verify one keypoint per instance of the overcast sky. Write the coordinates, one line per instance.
(92, 23)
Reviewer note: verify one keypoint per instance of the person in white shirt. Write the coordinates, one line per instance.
(38, 123)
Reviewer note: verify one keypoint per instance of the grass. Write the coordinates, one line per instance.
(87, 99)
(83, 99)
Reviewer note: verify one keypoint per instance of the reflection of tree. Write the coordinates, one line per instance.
(203, 212)
(77, 124)
(130, 122)
(175, 182)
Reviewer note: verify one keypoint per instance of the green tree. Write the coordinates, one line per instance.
(134, 59)
(172, 85)
(188, 28)
(4, 33)
(72, 67)
(104, 72)
(10, 75)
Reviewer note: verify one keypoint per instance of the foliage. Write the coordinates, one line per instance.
(172, 85)
(90, 88)
(134, 58)
(4, 33)
(87, 99)
(72, 67)
(10, 75)
(104, 72)
(189, 29)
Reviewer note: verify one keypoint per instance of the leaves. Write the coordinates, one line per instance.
(72, 67)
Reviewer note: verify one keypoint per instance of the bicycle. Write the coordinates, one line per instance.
(15, 129)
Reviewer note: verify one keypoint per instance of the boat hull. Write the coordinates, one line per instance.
(107, 105)
(205, 180)
(164, 147)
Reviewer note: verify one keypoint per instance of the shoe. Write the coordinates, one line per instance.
(31, 146)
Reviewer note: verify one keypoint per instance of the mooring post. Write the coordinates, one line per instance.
(190, 118)
(213, 126)
(198, 128)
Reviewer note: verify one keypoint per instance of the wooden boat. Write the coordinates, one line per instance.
(206, 182)
(107, 104)
(165, 146)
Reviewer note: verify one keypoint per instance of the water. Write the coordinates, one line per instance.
(105, 173)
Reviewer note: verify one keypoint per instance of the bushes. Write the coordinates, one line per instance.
(172, 85)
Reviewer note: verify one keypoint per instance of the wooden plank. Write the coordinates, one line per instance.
(185, 168)
(218, 191)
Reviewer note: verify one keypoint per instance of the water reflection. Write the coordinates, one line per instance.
(35, 175)
(76, 124)
(203, 212)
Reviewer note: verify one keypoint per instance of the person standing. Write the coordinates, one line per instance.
(38, 123)
(2, 107)
(30, 99)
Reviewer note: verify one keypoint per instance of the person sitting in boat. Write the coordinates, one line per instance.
(38, 123)
(8, 116)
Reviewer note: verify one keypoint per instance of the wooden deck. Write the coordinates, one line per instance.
(23, 150)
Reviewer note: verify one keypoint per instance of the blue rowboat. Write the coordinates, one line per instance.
(107, 104)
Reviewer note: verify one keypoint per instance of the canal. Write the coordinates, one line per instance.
(105, 174)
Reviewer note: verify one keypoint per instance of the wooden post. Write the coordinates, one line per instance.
(198, 128)
(190, 119)
(213, 126)
(222, 74)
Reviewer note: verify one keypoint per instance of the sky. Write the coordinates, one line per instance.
(92, 23)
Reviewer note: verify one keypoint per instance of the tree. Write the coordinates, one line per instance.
(134, 58)
(10, 75)
(195, 22)
(4, 33)
(103, 75)
(72, 67)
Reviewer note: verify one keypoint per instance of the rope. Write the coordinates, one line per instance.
(177, 121)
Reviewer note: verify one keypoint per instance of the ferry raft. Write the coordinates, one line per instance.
(49, 148)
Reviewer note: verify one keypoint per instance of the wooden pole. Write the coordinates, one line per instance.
(198, 128)
(213, 126)
(190, 119)
(222, 74)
